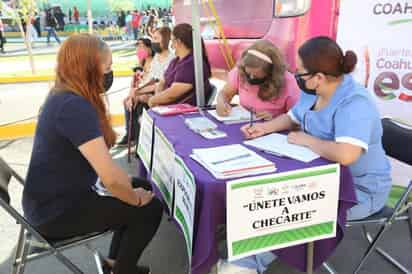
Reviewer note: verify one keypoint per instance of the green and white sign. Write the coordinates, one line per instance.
(184, 206)
(144, 149)
(276, 211)
(163, 166)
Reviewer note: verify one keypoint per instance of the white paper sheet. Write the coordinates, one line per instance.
(278, 144)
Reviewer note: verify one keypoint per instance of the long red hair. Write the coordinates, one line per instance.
(79, 70)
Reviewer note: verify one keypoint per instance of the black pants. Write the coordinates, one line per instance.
(134, 226)
(1, 41)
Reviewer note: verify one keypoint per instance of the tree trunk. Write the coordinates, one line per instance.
(89, 16)
(27, 43)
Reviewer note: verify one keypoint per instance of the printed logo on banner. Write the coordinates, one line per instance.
(385, 64)
(382, 42)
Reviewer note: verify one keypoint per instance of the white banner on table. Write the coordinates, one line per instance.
(275, 211)
(144, 148)
(184, 206)
(163, 166)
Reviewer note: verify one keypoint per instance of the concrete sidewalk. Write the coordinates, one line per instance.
(166, 254)
(40, 47)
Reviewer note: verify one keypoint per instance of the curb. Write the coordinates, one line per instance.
(48, 77)
(28, 129)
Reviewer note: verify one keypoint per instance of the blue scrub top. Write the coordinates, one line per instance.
(350, 117)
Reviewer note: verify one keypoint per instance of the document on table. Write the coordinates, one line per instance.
(238, 115)
(278, 144)
(232, 161)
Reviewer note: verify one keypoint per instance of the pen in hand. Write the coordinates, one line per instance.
(251, 117)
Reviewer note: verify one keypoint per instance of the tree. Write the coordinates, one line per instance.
(118, 5)
(23, 11)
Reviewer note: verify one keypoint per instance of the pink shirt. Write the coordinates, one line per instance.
(248, 95)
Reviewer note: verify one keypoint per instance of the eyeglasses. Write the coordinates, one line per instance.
(299, 75)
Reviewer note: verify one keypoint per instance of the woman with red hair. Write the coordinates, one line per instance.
(71, 157)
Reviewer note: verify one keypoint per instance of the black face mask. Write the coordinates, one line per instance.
(156, 48)
(255, 81)
(302, 84)
(108, 80)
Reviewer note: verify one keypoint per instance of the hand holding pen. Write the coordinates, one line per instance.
(223, 109)
(252, 117)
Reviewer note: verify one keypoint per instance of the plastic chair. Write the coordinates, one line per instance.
(31, 244)
(396, 142)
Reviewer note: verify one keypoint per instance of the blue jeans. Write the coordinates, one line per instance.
(368, 205)
(51, 31)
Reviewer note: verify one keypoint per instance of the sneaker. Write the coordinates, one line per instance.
(224, 267)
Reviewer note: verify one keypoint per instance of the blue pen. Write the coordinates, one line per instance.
(231, 159)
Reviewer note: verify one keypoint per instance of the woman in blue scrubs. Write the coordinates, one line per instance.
(336, 119)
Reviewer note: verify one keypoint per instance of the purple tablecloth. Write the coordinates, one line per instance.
(211, 195)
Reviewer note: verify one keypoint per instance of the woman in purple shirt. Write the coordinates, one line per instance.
(178, 84)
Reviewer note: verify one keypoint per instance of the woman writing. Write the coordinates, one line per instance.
(339, 121)
(262, 82)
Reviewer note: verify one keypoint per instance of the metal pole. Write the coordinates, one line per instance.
(197, 54)
(309, 257)
(89, 16)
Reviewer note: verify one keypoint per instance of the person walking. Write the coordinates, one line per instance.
(2, 37)
(136, 24)
(70, 15)
(37, 24)
(76, 15)
(51, 24)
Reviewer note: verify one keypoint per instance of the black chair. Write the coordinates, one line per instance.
(397, 144)
(31, 244)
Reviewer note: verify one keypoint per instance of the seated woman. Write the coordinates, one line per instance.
(178, 83)
(262, 82)
(144, 54)
(142, 90)
(340, 122)
(71, 154)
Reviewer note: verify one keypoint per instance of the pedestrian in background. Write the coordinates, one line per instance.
(2, 37)
(70, 15)
(76, 15)
(36, 24)
(51, 24)
(136, 24)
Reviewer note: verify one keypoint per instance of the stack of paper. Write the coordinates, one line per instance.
(236, 116)
(232, 161)
(278, 145)
(174, 109)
